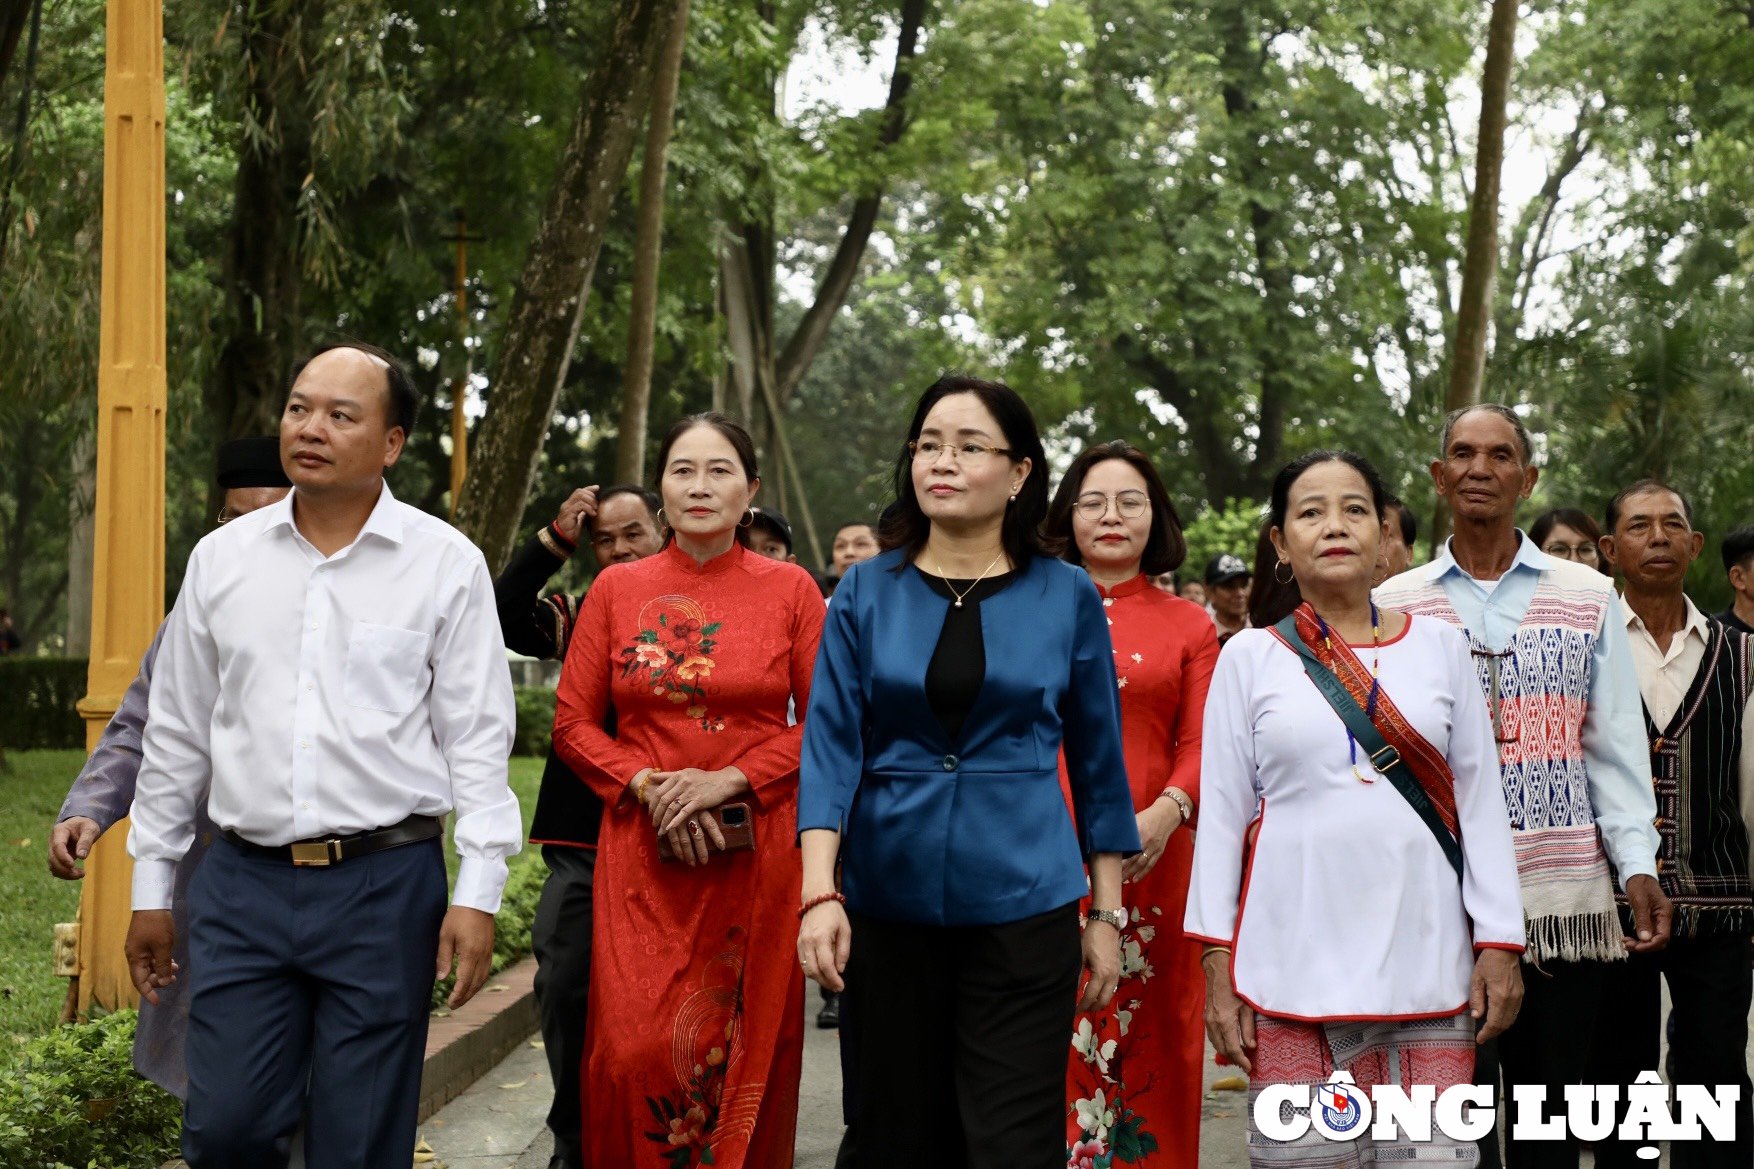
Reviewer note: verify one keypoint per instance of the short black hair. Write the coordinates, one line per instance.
(404, 396)
(1571, 517)
(907, 526)
(1291, 472)
(1165, 547)
(1612, 515)
(1738, 547)
(870, 524)
(1498, 408)
(645, 495)
(1408, 523)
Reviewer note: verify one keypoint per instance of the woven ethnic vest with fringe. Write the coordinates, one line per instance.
(1702, 857)
(1543, 687)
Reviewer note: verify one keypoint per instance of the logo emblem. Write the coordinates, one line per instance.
(1341, 1111)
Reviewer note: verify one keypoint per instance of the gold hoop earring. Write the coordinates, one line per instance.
(662, 522)
(1288, 579)
(748, 518)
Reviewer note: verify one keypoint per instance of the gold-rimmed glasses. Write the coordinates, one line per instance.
(927, 450)
(1093, 505)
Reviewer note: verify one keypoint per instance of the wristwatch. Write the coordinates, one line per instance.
(1180, 799)
(1114, 917)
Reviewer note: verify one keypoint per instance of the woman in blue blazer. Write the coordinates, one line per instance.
(954, 668)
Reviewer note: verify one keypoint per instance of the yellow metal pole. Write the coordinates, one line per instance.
(460, 384)
(127, 595)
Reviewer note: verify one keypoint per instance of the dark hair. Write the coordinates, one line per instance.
(1738, 547)
(1571, 517)
(839, 528)
(404, 397)
(1498, 408)
(729, 428)
(1639, 488)
(1408, 524)
(1021, 532)
(1270, 599)
(648, 497)
(1165, 548)
(1291, 472)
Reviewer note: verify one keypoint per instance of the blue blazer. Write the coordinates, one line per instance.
(972, 832)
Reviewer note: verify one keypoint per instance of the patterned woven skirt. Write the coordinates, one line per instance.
(1438, 1052)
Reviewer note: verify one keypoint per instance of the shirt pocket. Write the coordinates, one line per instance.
(386, 667)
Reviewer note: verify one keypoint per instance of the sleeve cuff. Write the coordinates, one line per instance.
(480, 883)
(153, 883)
(556, 543)
(1513, 947)
(1627, 872)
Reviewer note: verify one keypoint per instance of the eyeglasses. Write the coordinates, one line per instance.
(1495, 660)
(927, 450)
(225, 516)
(1130, 504)
(1583, 552)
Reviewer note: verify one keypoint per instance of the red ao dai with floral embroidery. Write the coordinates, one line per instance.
(1133, 1082)
(695, 1037)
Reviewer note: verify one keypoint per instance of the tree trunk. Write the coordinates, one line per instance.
(263, 278)
(806, 340)
(14, 15)
(636, 394)
(544, 321)
(81, 543)
(1480, 262)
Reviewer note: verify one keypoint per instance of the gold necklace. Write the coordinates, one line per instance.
(977, 580)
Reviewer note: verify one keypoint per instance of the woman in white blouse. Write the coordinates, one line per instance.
(1355, 919)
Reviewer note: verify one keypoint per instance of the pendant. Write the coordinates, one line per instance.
(959, 604)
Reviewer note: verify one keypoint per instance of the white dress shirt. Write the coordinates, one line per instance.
(330, 696)
(1664, 679)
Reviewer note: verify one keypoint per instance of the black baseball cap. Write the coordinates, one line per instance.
(774, 522)
(1224, 567)
(252, 462)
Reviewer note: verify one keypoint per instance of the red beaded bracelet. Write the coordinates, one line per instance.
(822, 900)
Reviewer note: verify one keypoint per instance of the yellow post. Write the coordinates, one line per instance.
(460, 384)
(127, 596)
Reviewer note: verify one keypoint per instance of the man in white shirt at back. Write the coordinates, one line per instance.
(334, 676)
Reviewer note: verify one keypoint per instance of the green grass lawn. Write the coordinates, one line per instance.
(30, 795)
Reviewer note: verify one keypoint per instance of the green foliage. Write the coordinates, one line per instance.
(74, 1100)
(40, 711)
(32, 786)
(535, 720)
(1234, 528)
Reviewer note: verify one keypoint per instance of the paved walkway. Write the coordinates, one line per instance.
(499, 1122)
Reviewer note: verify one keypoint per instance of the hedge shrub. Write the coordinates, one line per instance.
(73, 1100)
(511, 925)
(40, 708)
(535, 720)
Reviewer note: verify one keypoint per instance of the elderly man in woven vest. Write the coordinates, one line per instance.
(1696, 676)
(1553, 659)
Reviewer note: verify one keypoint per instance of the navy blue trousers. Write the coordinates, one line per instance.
(309, 996)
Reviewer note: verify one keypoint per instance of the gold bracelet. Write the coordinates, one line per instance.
(639, 789)
(1210, 950)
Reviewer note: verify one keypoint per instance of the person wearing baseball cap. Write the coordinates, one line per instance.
(1227, 594)
(769, 535)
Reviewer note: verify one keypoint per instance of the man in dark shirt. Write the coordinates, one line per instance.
(622, 525)
(1738, 552)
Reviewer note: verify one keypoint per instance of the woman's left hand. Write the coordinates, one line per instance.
(674, 796)
(1157, 824)
(1102, 962)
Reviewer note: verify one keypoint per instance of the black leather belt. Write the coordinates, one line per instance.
(332, 850)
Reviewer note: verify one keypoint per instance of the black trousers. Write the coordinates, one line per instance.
(561, 939)
(310, 992)
(958, 1039)
(1709, 985)
(1550, 1044)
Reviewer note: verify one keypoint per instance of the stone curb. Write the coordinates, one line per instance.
(465, 1044)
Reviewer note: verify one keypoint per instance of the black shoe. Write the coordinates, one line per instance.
(828, 1018)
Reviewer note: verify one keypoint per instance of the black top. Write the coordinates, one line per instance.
(1728, 617)
(959, 663)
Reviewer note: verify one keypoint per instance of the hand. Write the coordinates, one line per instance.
(578, 507)
(675, 797)
(1157, 824)
(467, 935)
(825, 940)
(70, 843)
(1102, 962)
(148, 949)
(1653, 914)
(1496, 994)
(1230, 1022)
(688, 840)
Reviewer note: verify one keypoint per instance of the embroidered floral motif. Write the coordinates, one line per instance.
(1110, 1133)
(673, 654)
(688, 1121)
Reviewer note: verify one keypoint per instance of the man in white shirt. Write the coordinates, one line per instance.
(1696, 677)
(334, 677)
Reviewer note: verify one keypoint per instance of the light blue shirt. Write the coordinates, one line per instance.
(1616, 758)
